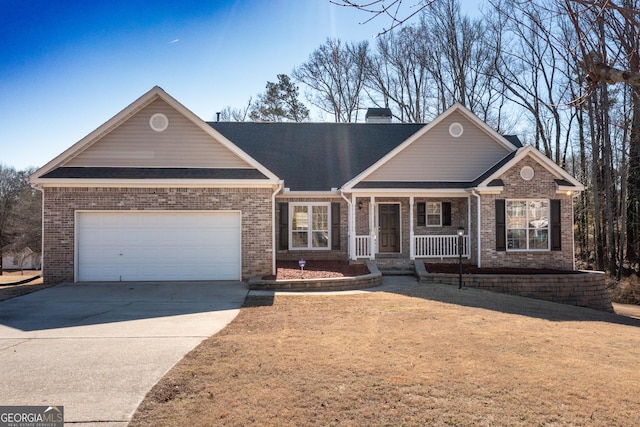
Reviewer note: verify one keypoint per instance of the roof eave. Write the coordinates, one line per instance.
(169, 183)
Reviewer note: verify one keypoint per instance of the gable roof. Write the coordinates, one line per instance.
(63, 169)
(508, 144)
(307, 157)
(564, 180)
(316, 156)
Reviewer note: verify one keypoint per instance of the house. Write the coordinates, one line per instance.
(156, 193)
(25, 259)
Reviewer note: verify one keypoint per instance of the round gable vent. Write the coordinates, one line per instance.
(159, 122)
(455, 129)
(527, 173)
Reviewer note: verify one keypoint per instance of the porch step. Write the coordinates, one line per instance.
(396, 267)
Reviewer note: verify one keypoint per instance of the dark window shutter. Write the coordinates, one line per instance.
(421, 218)
(284, 226)
(501, 226)
(335, 225)
(446, 213)
(556, 234)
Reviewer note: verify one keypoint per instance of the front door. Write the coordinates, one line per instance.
(389, 228)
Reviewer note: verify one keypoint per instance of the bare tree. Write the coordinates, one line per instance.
(13, 183)
(533, 72)
(595, 66)
(25, 222)
(398, 76)
(335, 74)
(233, 114)
(419, 70)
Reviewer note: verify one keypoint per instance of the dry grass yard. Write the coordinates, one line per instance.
(419, 355)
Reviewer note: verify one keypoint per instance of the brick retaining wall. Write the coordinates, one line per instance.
(373, 279)
(584, 289)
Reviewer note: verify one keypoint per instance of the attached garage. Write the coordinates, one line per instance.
(157, 245)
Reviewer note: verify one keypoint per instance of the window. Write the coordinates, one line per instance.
(434, 214)
(309, 226)
(527, 224)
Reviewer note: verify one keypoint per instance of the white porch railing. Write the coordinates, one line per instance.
(440, 246)
(363, 248)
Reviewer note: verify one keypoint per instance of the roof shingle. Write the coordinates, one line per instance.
(316, 156)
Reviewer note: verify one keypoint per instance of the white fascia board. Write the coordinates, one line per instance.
(565, 189)
(455, 107)
(543, 160)
(489, 190)
(301, 194)
(402, 192)
(166, 183)
(133, 108)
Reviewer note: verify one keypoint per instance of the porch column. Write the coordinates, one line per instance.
(469, 226)
(352, 228)
(412, 243)
(373, 235)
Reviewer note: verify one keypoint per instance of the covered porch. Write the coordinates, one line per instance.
(415, 226)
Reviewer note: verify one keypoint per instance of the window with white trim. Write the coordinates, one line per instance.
(527, 224)
(309, 225)
(434, 214)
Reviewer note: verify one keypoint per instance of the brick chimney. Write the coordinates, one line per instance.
(378, 115)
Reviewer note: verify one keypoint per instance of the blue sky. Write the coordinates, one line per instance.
(68, 66)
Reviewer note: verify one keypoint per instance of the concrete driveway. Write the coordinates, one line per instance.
(98, 348)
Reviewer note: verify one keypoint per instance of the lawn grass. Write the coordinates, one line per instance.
(428, 355)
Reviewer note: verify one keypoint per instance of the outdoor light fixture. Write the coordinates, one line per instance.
(302, 263)
(460, 235)
(359, 205)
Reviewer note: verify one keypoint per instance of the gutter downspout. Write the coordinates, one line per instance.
(273, 226)
(40, 189)
(473, 192)
(350, 222)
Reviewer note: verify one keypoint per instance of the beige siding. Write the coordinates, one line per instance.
(135, 144)
(437, 156)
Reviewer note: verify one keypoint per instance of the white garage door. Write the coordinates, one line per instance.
(136, 246)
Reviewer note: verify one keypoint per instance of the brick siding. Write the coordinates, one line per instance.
(60, 205)
(341, 254)
(542, 186)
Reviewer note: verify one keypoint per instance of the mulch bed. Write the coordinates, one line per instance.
(287, 270)
(472, 269)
